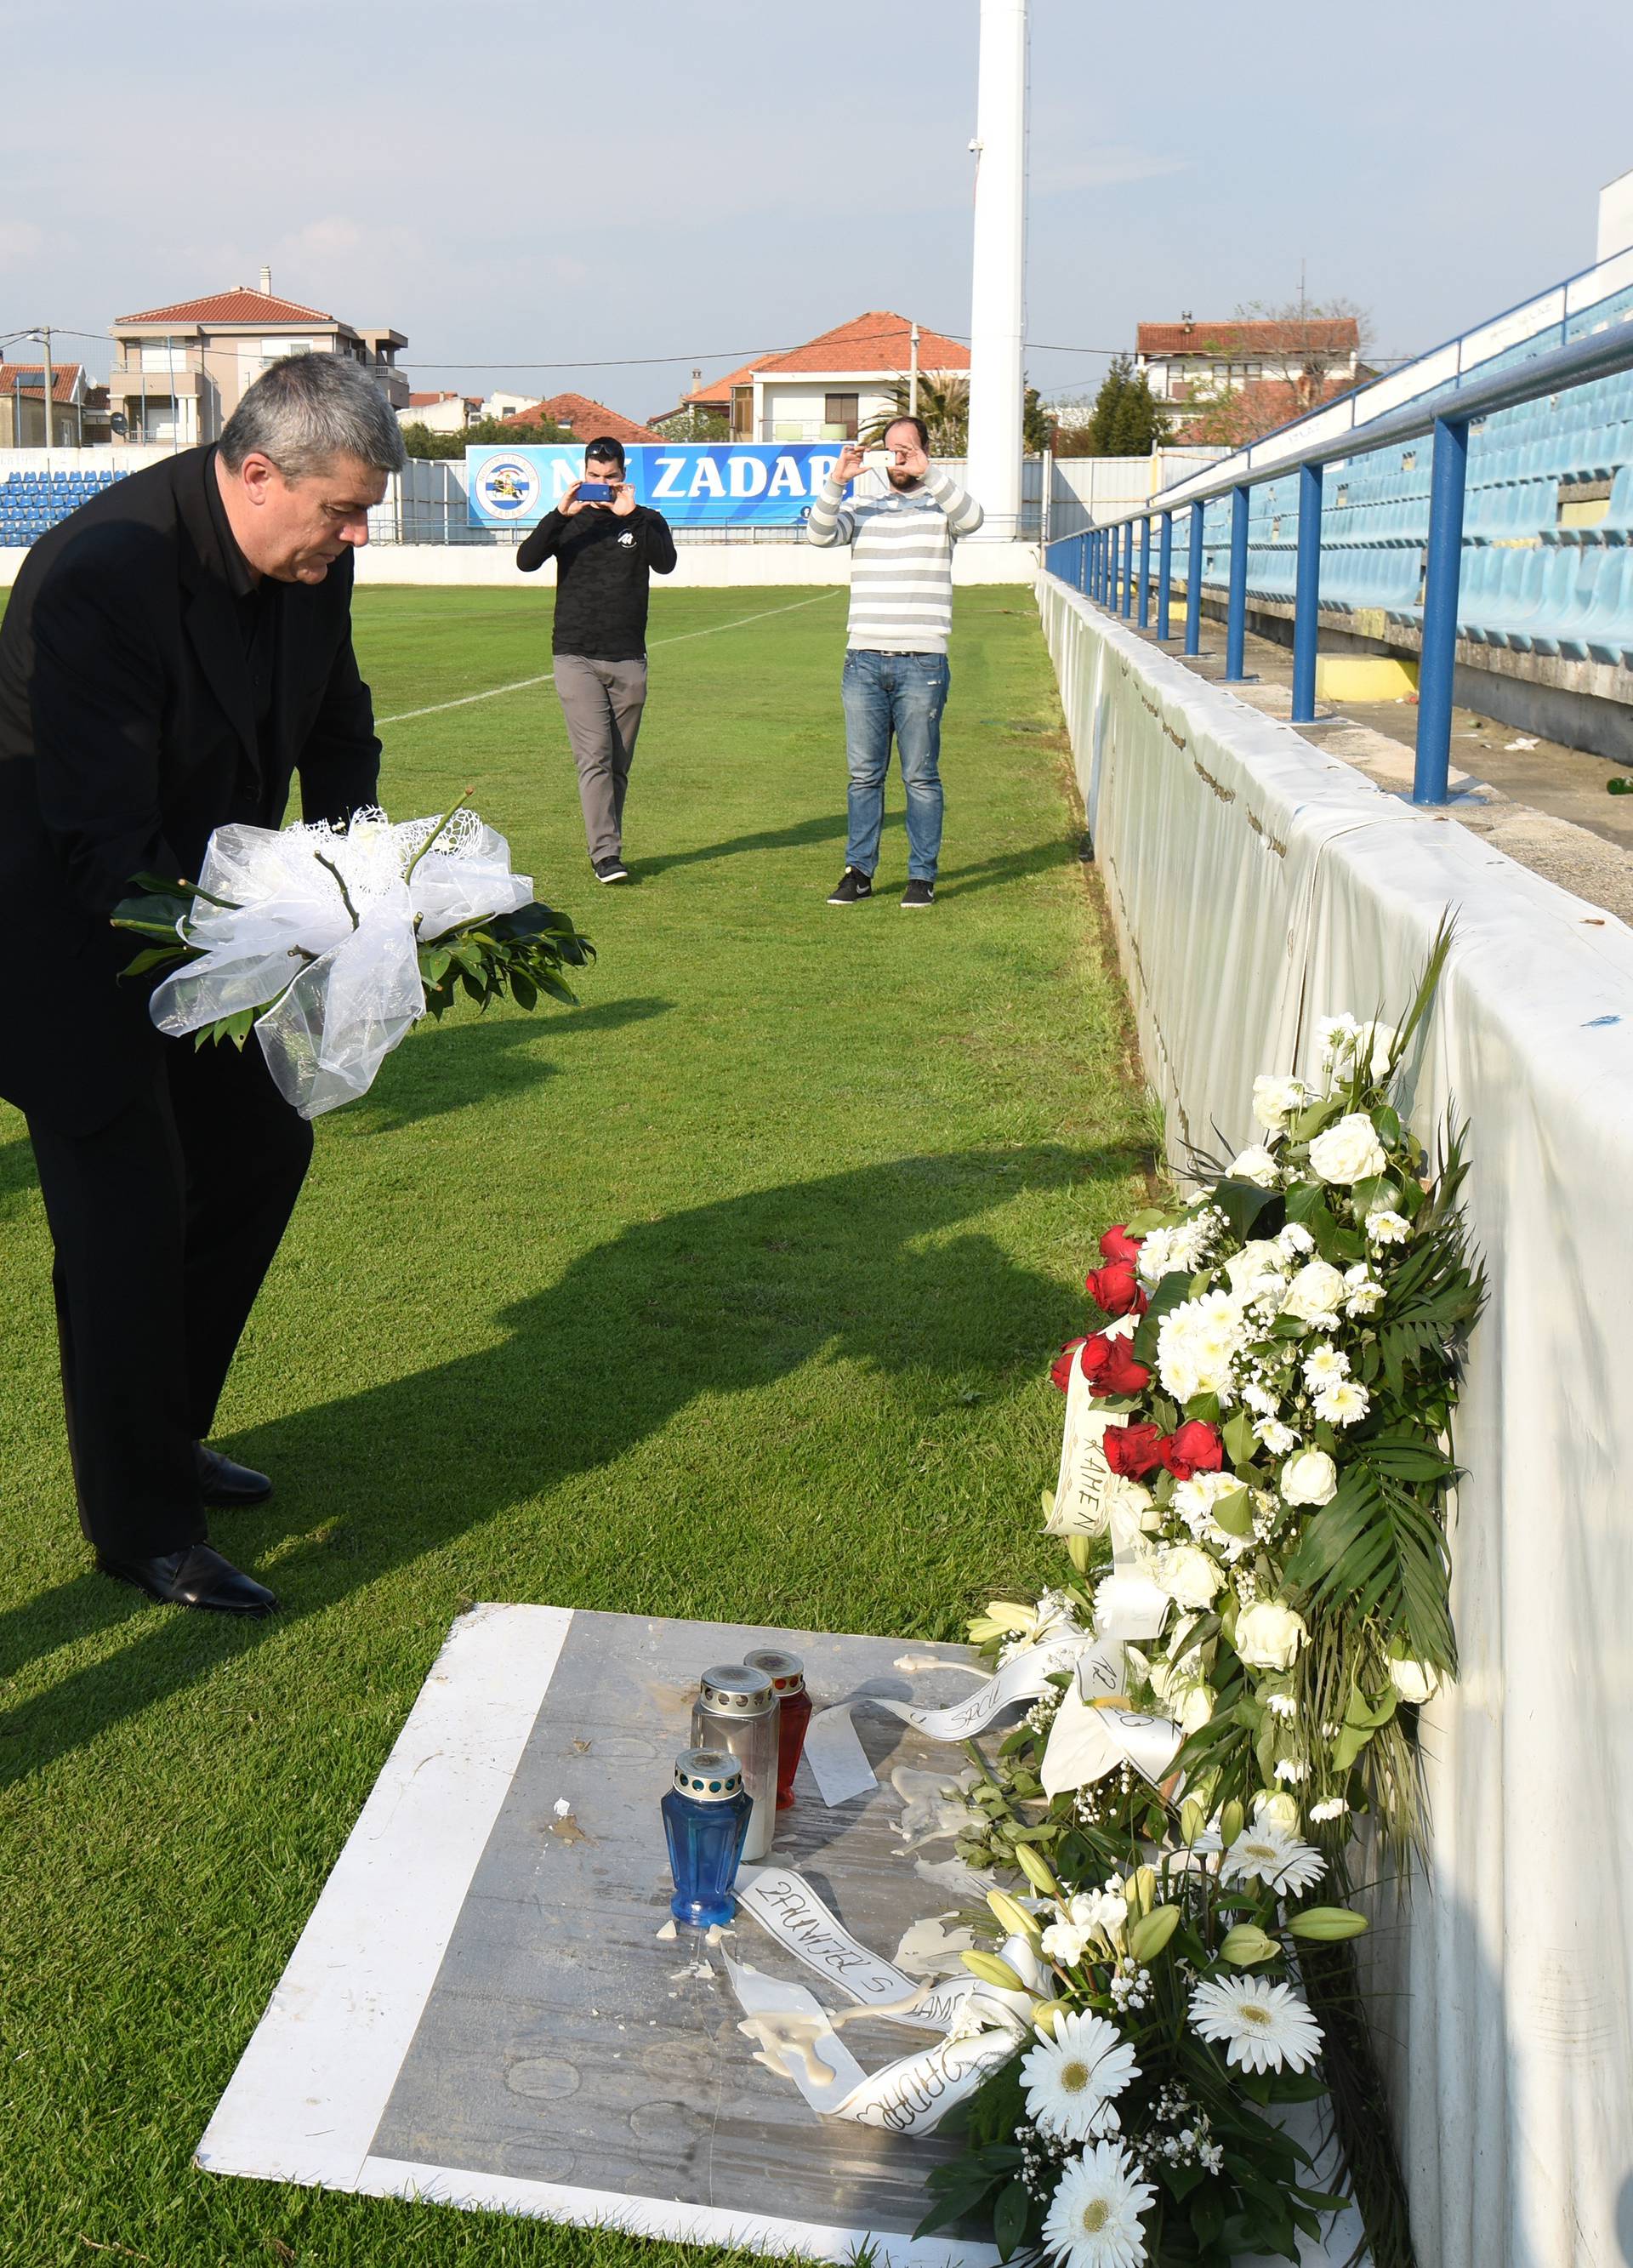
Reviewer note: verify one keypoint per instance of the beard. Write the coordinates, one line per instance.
(903, 481)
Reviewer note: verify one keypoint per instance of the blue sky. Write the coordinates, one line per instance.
(700, 184)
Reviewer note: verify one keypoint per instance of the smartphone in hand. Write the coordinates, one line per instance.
(596, 492)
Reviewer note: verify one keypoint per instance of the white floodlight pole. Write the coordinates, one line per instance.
(997, 294)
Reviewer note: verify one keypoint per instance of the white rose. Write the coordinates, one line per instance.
(1315, 1294)
(1311, 1477)
(1255, 1165)
(1348, 1151)
(1275, 1101)
(1413, 1681)
(1269, 1635)
(1246, 1269)
(1189, 1577)
(1389, 1227)
(1277, 1438)
(1195, 1710)
(1278, 1811)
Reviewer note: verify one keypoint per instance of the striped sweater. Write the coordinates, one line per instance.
(901, 560)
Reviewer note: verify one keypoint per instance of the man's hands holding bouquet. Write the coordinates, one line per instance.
(331, 944)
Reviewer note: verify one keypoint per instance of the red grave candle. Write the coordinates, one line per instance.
(787, 1674)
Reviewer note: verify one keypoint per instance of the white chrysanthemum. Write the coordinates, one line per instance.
(1259, 1397)
(1193, 1502)
(1263, 2027)
(1272, 1854)
(1344, 1402)
(1294, 1240)
(1095, 2220)
(1178, 1250)
(1389, 1226)
(1278, 1438)
(1324, 1366)
(1331, 1807)
(1366, 1292)
(1072, 2079)
(1197, 1343)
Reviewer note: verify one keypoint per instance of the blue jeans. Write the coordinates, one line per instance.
(903, 694)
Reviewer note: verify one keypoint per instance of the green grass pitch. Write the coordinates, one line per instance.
(729, 1293)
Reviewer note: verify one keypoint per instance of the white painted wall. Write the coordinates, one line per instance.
(1616, 215)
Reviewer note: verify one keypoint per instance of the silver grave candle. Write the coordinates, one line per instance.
(736, 1709)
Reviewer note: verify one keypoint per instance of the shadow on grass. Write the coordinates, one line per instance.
(503, 1056)
(826, 829)
(17, 1177)
(719, 1300)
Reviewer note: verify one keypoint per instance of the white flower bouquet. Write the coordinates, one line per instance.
(1253, 1494)
(330, 943)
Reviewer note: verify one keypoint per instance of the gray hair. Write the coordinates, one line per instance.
(309, 409)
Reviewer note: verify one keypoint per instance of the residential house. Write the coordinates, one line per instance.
(834, 386)
(440, 413)
(178, 372)
(22, 406)
(1312, 353)
(585, 420)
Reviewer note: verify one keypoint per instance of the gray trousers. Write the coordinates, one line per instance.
(602, 703)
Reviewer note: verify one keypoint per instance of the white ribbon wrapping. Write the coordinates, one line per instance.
(798, 2039)
(1021, 1679)
(343, 982)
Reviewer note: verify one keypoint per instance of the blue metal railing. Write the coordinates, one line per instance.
(1100, 560)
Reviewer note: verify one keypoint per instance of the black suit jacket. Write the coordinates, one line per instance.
(126, 722)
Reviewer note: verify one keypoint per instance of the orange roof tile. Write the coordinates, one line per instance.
(237, 305)
(1338, 333)
(585, 419)
(876, 341)
(63, 377)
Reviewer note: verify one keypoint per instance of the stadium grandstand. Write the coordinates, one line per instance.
(31, 502)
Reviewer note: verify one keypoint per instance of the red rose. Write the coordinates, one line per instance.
(1133, 1450)
(1116, 1288)
(1060, 1370)
(1195, 1448)
(1110, 1367)
(1117, 1244)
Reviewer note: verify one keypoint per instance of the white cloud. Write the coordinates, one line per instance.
(20, 242)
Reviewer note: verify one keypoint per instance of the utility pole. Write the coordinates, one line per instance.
(997, 294)
(44, 336)
(913, 372)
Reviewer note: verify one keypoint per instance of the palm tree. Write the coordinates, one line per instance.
(942, 404)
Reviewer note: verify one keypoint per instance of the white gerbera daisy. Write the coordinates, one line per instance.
(1095, 2220)
(1264, 2026)
(1344, 1402)
(1389, 1226)
(1072, 2079)
(1324, 1366)
(1268, 1854)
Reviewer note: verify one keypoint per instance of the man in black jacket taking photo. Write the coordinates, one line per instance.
(173, 652)
(606, 547)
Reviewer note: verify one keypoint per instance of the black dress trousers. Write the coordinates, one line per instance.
(164, 1221)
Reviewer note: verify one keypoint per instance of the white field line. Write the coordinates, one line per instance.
(438, 708)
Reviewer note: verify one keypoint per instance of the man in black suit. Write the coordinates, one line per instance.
(172, 653)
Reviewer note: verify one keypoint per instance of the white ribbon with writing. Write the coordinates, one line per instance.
(1023, 1679)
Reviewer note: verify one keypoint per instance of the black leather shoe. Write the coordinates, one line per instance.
(198, 1577)
(224, 1486)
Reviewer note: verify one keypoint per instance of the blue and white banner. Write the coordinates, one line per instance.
(694, 484)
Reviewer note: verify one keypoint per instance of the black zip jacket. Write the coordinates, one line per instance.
(602, 566)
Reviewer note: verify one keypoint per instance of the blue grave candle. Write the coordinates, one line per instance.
(705, 1823)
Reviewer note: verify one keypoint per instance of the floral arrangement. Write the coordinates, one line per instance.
(1254, 1498)
(330, 942)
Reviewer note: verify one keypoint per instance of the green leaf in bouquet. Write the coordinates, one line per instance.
(524, 991)
(156, 956)
(1243, 1204)
(1311, 1120)
(1240, 1442)
(1150, 1217)
(1204, 1407)
(1009, 2217)
(1304, 1198)
(1234, 1513)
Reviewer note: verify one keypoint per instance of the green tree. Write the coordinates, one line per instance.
(693, 425)
(420, 441)
(1127, 420)
(944, 405)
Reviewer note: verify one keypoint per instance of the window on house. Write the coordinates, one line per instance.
(840, 415)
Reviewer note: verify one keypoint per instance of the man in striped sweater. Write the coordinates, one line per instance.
(896, 674)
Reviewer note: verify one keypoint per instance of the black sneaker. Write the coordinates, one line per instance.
(919, 894)
(610, 870)
(852, 886)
